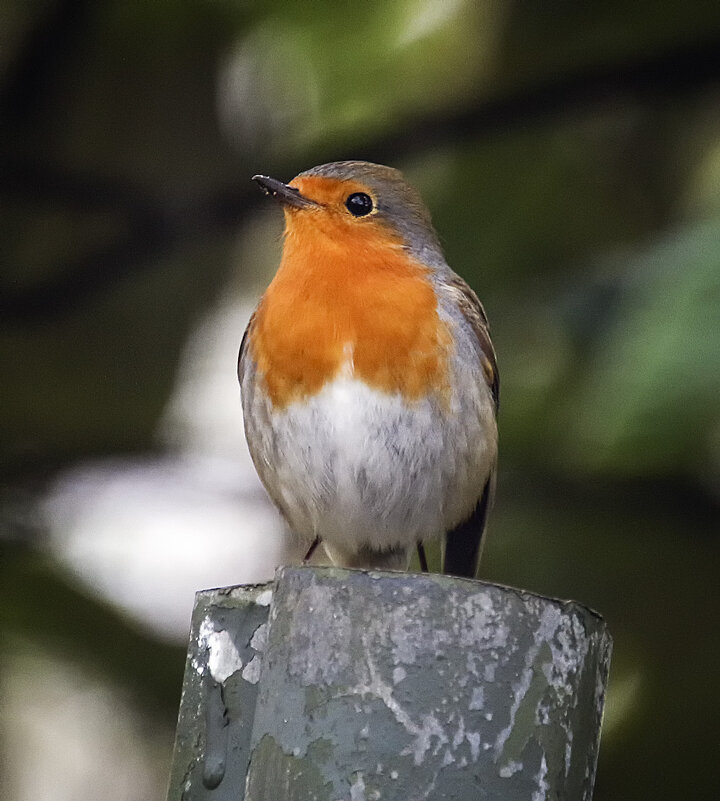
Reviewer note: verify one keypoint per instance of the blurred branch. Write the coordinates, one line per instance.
(154, 230)
(48, 46)
(146, 234)
(151, 230)
(674, 73)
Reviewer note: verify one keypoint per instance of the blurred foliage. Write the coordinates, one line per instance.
(38, 601)
(570, 154)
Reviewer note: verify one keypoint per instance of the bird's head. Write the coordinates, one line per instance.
(356, 203)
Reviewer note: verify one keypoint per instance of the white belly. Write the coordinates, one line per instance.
(364, 469)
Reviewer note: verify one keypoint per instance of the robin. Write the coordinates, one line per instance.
(369, 381)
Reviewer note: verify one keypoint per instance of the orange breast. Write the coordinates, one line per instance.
(344, 298)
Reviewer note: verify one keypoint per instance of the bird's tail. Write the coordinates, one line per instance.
(463, 545)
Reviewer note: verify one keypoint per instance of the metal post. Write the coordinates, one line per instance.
(389, 686)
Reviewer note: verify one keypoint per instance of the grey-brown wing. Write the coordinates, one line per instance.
(243, 346)
(463, 545)
(472, 310)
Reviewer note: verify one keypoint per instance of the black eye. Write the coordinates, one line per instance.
(359, 204)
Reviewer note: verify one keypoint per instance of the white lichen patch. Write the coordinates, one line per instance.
(569, 649)
(264, 598)
(459, 737)
(540, 794)
(399, 673)
(260, 638)
(317, 616)
(251, 671)
(512, 767)
(410, 634)
(543, 716)
(558, 672)
(357, 788)
(519, 689)
(482, 625)
(423, 732)
(477, 701)
(568, 750)
(222, 658)
(473, 738)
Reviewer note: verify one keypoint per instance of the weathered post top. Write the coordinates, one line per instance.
(335, 684)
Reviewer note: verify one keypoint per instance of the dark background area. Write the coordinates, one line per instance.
(570, 155)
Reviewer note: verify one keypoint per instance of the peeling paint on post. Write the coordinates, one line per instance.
(384, 686)
(212, 743)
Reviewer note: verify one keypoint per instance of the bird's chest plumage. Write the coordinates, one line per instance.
(354, 416)
(367, 309)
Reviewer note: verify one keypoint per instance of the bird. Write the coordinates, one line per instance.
(369, 382)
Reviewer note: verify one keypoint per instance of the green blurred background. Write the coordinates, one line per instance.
(570, 155)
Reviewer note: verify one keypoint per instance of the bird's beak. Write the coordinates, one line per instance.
(287, 195)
